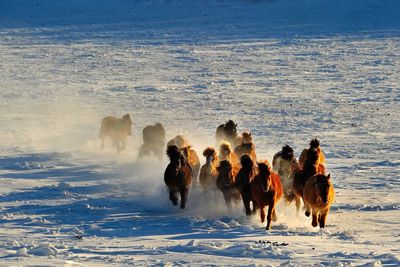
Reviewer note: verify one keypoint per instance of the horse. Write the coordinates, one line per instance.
(311, 167)
(181, 142)
(226, 153)
(226, 183)
(227, 132)
(208, 172)
(153, 141)
(243, 179)
(285, 164)
(266, 189)
(246, 147)
(177, 176)
(318, 195)
(314, 144)
(117, 130)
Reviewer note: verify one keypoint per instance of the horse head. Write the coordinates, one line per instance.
(287, 152)
(211, 156)
(225, 175)
(174, 154)
(322, 187)
(230, 129)
(128, 123)
(314, 143)
(265, 174)
(225, 151)
(246, 162)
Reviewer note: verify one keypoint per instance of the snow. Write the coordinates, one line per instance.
(287, 71)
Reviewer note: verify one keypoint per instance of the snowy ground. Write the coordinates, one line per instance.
(286, 70)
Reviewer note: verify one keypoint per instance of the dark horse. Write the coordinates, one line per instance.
(227, 132)
(153, 141)
(310, 168)
(226, 183)
(243, 179)
(177, 176)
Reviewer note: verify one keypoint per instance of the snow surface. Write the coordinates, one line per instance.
(287, 70)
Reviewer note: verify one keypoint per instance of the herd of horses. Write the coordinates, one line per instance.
(235, 171)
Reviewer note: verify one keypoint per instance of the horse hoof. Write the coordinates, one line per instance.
(182, 207)
(268, 228)
(307, 213)
(175, 203)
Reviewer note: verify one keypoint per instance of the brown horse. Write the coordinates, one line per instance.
(227, 132)
(226, 153)
(181, 142)
(246, 147)
(153, 141)
(117, 130)
(318, 195)
(266, 189)
(310, 168)
(285, 164)
(177, 176)
(208, 172)
(226, 183)
(314, 144)
(243, 179)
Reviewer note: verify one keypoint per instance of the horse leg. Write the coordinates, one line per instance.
(184, 193)
(274, 217)
(322, 220)
(173, 198)
(228, 201)
(262, 212)
(271, 208)
(246, 203)
(298, 204)
(255, 207)
(308, 210)
(314, 219)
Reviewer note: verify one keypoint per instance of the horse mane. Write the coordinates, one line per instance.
(173, 153)
(225, 149)
(287, 152)
(264, 168)
(312, 156)
(314, 143)
(246, 162)
(209, 151)
(230, 125)
(224, 164)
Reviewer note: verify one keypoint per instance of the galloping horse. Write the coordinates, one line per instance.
(226, 183)
(208, 172)
(310, 168)
(153, 141)
(227, 132)
(177, 175)
(285, 164)
(266, 189)
(243, 179)
(318, 195)
(117, 129)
